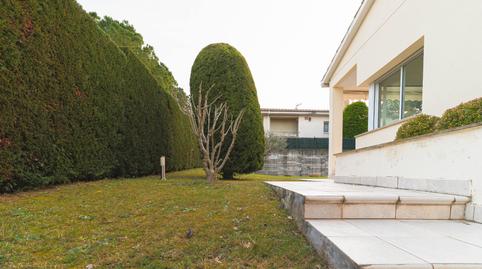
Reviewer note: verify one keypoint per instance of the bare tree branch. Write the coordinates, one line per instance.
(212, 124)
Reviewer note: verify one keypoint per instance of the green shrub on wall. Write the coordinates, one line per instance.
(463, 114)
(418, 125)
(355, 119)
(224, 68)
(73, 106)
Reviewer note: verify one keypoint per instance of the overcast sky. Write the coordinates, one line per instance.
(288, 43)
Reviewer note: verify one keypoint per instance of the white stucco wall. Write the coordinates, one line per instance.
(313, 128)
(378, 136)
(306, 127)
(454, 155)
(449, 33)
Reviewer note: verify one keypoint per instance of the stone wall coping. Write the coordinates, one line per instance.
(462, 188)
(397, 122)
(413, 139)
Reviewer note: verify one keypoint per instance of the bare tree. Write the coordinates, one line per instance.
(212, 124)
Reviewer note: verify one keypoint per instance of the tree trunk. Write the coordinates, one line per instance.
(212, 125)
(211, 176)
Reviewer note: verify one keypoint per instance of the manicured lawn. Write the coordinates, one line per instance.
(142, 223)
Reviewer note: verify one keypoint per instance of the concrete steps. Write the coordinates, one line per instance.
(367, 227)
(329, 200)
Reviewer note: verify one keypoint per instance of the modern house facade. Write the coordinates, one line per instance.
(409, 57)
(296, 122)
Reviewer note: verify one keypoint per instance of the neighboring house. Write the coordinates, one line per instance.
(409, 57)
(306, 132)
(296, 122)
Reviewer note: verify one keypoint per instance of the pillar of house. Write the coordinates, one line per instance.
(336, 127)
(267, 124)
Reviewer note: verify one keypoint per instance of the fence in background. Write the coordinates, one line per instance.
(303, 156)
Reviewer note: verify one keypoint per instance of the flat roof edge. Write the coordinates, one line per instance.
(347, 39)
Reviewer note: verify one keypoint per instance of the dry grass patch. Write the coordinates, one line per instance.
(145, 223)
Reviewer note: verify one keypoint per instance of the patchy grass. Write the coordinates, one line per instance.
(143, 223)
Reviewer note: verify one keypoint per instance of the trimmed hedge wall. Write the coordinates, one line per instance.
(223, 67)
(73, 106)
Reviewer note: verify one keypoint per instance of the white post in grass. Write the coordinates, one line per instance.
(163, 168)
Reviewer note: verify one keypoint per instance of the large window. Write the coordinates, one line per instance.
(389, 99)
(400, 93)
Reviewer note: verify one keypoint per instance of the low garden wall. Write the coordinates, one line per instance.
(381, 135)
(452, 154)
(297, 162)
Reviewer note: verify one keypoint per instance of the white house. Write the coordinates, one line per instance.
(296, 122)
(400, 203)
(409, 57)
(306, 132)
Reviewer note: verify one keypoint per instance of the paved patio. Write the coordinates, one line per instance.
(404, 243)
(319, 188)
(363, 226)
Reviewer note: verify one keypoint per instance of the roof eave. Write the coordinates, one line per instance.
(347, 39)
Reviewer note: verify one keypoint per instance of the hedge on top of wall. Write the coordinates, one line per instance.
(463, 114)
(73, 106)
(418, 125)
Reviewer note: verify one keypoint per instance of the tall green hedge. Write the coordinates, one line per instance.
(223, 67)
(125, 35)
(73, 106)
(355, 119)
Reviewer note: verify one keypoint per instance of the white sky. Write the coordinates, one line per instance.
(288, 44)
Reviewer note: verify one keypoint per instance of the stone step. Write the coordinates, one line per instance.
(457, 187)
(390, 244)
(330, 200)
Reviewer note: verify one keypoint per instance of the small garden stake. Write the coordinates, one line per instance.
(163, 168)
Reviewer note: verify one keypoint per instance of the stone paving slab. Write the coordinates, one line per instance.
(399, 243)
(330, 200)
(317, 189)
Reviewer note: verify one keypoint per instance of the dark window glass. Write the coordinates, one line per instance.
(389, 101)
(412, 88)
(389, 89)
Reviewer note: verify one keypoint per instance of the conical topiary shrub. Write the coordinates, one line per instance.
(355, 119)
(222, 67)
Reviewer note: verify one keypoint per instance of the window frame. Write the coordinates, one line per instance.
(401, 69)
(327, 123)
